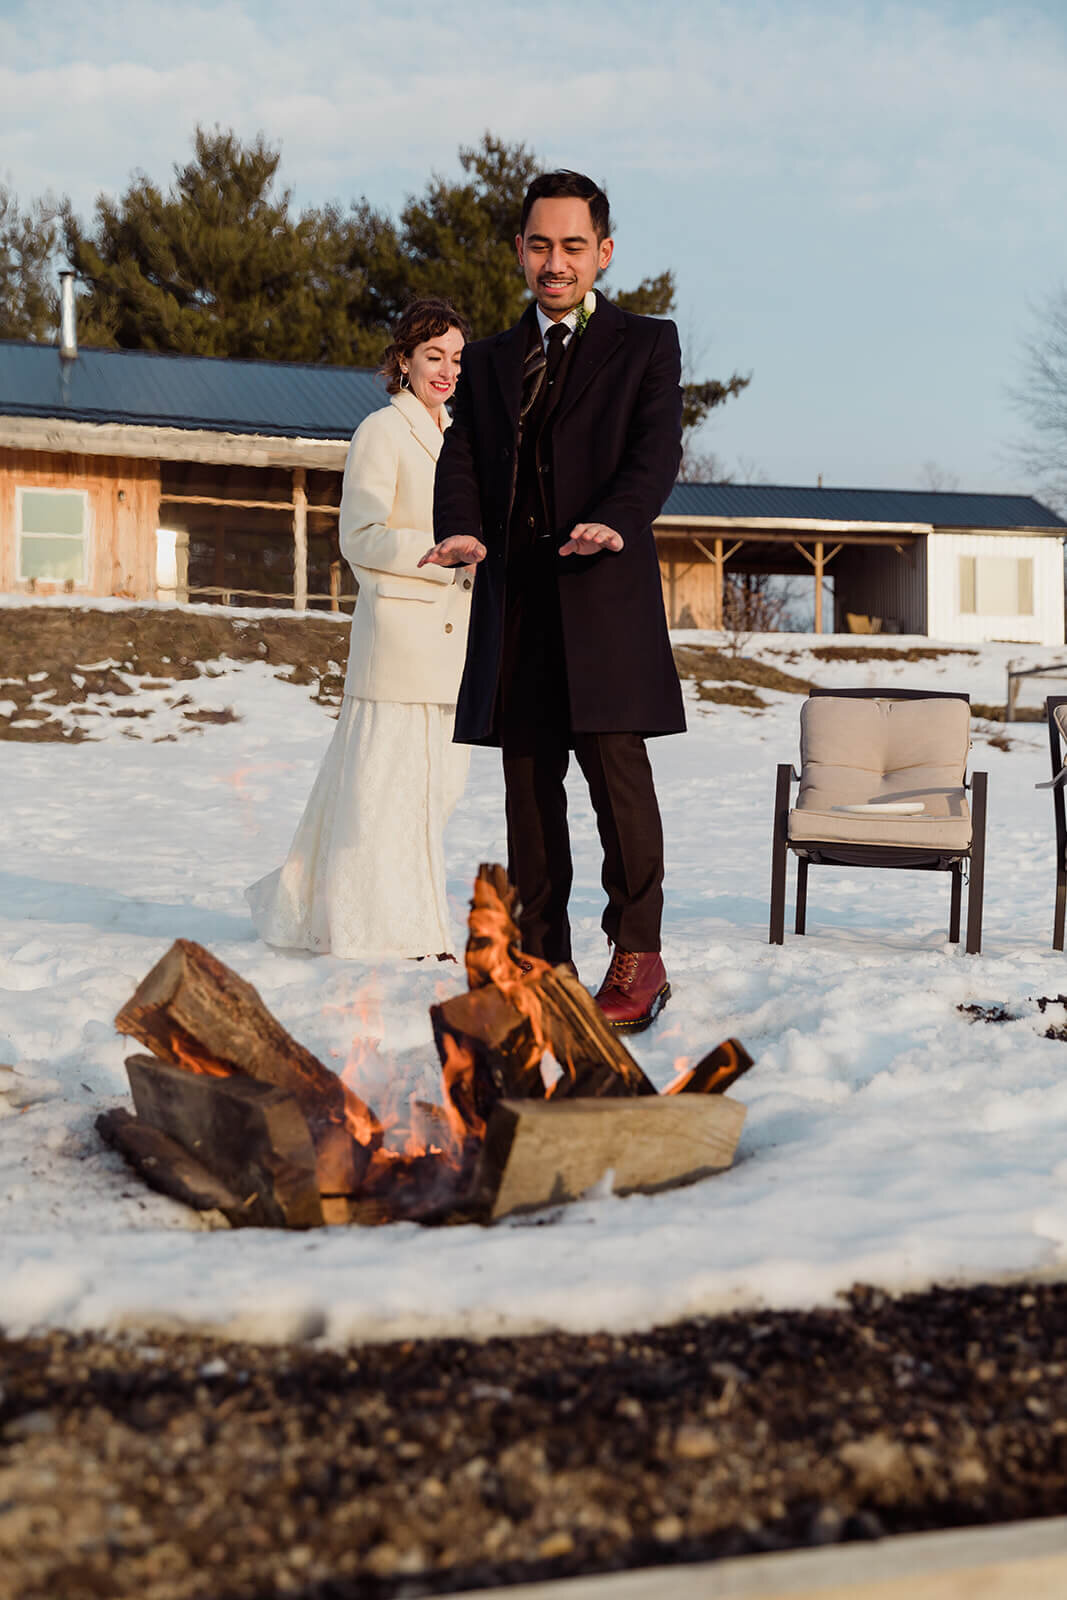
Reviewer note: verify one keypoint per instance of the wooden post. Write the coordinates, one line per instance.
(300, 539)
(820, 561)
(719, 564)
(223, 599)
(181, 566)
(335, 586)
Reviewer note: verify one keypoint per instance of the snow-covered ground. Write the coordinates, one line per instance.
(889, 1139)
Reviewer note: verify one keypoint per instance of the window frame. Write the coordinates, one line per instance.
(84, 537)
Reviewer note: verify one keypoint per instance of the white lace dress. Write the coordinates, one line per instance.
(365, 875)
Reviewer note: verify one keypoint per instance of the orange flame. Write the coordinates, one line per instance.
(457, 1072)
(206, 1065)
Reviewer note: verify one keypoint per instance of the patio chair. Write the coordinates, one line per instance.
(882, 784)
(1056, 712)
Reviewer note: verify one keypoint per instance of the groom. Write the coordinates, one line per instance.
(565, 443)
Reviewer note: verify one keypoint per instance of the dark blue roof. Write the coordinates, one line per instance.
(276, 398)
(942, 510)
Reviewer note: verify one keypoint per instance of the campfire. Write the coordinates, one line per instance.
(540, 1100)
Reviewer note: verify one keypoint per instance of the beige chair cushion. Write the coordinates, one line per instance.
(1060, 714)
(862, 752)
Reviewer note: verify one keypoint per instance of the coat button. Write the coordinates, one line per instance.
(448, 627)
(466, 585)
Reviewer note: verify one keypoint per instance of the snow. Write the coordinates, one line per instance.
(889, 1139)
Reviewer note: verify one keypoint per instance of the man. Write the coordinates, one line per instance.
(565, 442)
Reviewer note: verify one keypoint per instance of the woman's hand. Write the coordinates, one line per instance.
(590, 537)
(459, 550)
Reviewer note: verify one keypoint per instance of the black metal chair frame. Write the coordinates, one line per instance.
(1060, 813)
(833, 853)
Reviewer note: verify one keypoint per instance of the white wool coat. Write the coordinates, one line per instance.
(409, 628)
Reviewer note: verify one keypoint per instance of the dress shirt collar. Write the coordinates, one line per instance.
(569, 321)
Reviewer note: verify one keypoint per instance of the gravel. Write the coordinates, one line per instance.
(171, 1467)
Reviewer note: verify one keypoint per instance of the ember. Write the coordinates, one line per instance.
(235, 1115)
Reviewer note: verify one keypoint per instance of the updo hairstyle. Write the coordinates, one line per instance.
(424, 319)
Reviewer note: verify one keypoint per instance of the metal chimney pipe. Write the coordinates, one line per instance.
(68, 322)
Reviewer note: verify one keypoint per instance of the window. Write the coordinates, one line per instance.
(53, 535)
(997, 586)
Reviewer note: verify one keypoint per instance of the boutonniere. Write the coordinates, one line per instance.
(585, 311)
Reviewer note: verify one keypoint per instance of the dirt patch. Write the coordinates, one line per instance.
(848, 652)
(62, 666)
(993, 1013)
(169, 1469)
(989, 713)
(707, 663)
(730, 694)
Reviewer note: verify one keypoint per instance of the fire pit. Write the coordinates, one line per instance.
(233, 1115)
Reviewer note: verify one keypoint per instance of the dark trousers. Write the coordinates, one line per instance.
(616, 768)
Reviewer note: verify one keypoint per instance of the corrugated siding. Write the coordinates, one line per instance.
(948, 621)
(877, 582)
(272, 398)
(940, 510)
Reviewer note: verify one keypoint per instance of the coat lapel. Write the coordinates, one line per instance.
(604, 332)
(418, 419)
(507, 357)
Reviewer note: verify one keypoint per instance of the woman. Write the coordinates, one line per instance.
(365, 877)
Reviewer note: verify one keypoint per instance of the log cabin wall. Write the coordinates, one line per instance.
(121, 514)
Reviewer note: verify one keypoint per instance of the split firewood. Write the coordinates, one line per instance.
(715, 1073)
(250, 1136)
(166, 1166)
(196, 1013)
(489, 1049)
(544, 1154)
(595, 1062)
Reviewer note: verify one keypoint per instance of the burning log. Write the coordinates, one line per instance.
(194, 1012)
(718, 1070)
(596, 1064)
(489, 1050)
(544, 1154)
(233, 1114)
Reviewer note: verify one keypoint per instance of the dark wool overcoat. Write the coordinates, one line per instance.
(610, 454)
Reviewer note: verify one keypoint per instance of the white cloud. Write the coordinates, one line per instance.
(870, 110)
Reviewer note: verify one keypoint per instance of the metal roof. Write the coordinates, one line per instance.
(278, 399)
(941, 510)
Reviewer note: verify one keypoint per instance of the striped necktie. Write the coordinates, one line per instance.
(539, 367)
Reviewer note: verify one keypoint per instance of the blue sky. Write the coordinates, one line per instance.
(861, 202)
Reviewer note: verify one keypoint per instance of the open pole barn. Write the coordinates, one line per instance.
(966, 567)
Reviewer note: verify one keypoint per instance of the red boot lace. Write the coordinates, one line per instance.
(623, 969)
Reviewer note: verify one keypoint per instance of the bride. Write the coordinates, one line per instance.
(365, 876)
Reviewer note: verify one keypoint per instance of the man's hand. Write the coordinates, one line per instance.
(589, 537)
(461, 550)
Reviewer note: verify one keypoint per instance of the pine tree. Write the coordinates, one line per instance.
(29, 241)
(220, 266)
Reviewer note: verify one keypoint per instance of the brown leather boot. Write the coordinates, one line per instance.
(634, 991)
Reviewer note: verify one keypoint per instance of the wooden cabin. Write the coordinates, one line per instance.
(156, 476)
